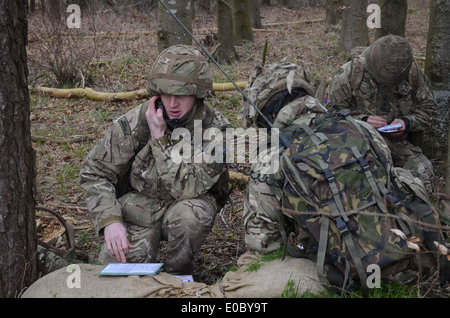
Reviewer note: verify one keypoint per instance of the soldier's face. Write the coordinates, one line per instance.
(177, 106)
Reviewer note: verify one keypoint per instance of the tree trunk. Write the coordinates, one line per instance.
(226, 52)
(242, 22)
(333, 15)
(393, 18)
(290, 4)
(169, 31)
(32, 7)
(437, 64)
(255, 8)
(17, 217)
(54, 10)
(205, 6)
(354, 31)
(447, 183)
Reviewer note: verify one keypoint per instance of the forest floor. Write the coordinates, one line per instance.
(119, 59)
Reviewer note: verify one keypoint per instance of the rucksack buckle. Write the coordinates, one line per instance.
(343, 113)
(341, 225)
(328, 175)
(363, 163)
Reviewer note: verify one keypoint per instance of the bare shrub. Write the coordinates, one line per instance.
(59, 51)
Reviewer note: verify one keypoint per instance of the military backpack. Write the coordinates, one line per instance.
(340, 188)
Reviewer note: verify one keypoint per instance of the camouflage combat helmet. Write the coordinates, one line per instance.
(180, 70)
(269, 82)
(389, 59)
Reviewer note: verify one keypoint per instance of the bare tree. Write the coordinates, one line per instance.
(18, 238)
(226, 52)
(437, 68)
(354, 31)
(64, 52)
(32, 6)
(289, 3)
(333, 15)
(447, 183)
(437, 64)
(205, 6)
(393, 17)
(169, 31)
(255, 8)
(242, 23)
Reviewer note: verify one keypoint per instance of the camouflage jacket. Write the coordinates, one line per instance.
(127, 156)
(355, 88)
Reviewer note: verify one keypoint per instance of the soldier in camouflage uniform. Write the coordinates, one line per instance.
(136, 192)
(384, 86)
(283, 93)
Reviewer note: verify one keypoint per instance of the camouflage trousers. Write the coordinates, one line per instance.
(185, 226)
(410, 157)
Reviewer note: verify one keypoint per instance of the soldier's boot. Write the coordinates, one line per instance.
(48, 261)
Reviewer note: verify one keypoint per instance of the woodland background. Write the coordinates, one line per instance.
(112, 53)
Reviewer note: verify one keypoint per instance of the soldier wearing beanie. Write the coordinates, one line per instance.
(383, 85)
(136, 192)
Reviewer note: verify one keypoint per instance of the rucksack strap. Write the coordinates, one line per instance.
(351, 247)
(316, 137)
(338, 207)
(369, 176)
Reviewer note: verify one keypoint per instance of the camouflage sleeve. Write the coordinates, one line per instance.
(425, 109)
(340, 92)
(105, 166)
(184, 179)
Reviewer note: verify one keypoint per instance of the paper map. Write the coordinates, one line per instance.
(132, 269)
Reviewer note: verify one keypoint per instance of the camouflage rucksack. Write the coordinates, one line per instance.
(341, 190)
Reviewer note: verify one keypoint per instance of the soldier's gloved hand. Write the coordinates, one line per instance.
(116, 241)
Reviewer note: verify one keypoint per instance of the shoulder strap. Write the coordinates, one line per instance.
(414, 76)
(357, 72)
(143, 132)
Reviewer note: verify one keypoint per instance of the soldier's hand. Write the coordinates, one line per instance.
(155, 119)
(400, 130)
(116, 241)
(376, 122)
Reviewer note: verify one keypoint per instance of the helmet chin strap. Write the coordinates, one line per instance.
(178, 122)
(284, 141)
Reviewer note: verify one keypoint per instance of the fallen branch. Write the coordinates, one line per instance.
(91, 94)
(220, 87)
(238, 177)
(294, 22)
(64, 140)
